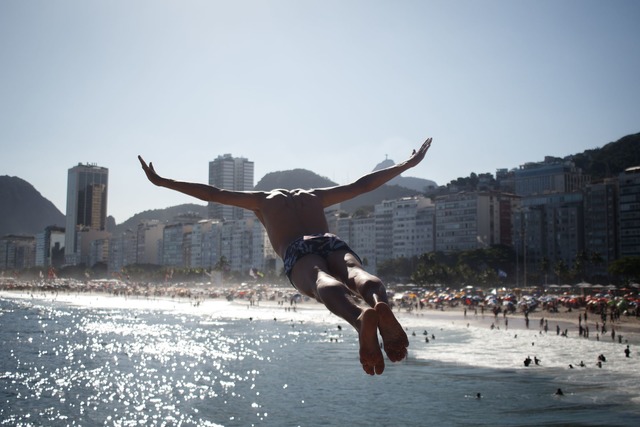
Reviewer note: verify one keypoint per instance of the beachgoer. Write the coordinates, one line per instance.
(319, 264)
(559, 392)
(627, 351)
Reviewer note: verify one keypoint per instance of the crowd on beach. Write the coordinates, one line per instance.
(606, 309)
(610, 304)
(112, 287)
(615, 317)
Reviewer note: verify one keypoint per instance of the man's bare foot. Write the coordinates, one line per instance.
(394, 338)
(370, 353)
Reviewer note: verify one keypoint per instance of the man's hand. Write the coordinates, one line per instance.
(150, 172)
(417, 156)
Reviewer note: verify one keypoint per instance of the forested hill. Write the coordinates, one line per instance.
(599, 163)
(610, 160)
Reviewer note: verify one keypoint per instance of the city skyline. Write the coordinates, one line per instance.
(332, 87)
(548, 211)
(195, 201)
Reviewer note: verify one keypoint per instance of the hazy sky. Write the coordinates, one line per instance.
(329, 86)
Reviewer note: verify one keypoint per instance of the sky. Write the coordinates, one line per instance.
(332, 86)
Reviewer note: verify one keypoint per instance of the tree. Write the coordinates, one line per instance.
(397, 268)
(628, 268)
(562, 272)
(580, 264)
(544, 267)
(430, 271)
(222, 264)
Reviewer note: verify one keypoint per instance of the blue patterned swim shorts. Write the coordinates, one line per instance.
(317, 244)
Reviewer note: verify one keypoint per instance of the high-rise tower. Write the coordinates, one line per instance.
(230, 173)
(86, 206)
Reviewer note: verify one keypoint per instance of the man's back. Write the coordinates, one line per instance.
(290, 214)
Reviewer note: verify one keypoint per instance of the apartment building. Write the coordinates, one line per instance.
(629, 212)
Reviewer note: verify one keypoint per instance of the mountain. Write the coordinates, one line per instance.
(302, 178)
(163, 215)
(418, 184)
(295, 178)
(23, 210)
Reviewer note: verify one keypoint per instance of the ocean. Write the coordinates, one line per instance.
(91, 360)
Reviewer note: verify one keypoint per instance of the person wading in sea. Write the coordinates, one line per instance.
(319, 264)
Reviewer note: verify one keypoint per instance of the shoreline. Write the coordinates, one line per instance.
(627, 328)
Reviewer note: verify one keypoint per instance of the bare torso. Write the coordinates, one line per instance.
(290, 214)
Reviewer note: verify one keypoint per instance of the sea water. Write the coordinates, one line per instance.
(93, 360)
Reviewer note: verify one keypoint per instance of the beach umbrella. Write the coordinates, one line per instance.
(583, 285)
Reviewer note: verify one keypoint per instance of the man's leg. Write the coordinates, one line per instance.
(346, 267)
(310, 277)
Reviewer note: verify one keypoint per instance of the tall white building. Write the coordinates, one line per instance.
(383, 214)
(363, 241)
(205, 244)
(412, 227)
(629, 216)
(149, 242)
(230, 173)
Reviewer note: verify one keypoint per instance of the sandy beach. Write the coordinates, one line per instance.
(627, 328)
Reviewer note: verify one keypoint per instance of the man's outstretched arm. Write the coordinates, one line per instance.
(208, 193)
(371, 181)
